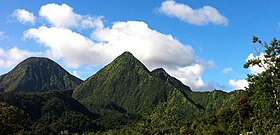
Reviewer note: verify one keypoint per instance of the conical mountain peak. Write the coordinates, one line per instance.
(125, 82)
(127, 54)
(126, 61)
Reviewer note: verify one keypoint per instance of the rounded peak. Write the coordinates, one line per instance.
(38, 74)
(36, 60)
(159, 70)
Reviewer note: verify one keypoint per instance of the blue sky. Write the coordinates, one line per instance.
(204, 43)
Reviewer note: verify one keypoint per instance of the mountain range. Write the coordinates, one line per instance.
(121, 93)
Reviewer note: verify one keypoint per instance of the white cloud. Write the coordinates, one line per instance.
(238, 84)
(201, 16)
(256, 69)
(153, 48)
(24, 16)
(11, 57)
(242, 83)
(227, 70)
(191, 76)
(148, 45)
(63, 16)
(59, 15)
(73, 48)
(2, 35)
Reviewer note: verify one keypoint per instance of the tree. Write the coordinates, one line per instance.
(12, 119)
(264, 87)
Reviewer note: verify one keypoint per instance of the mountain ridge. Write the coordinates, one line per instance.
(126, 82)
(122, 93)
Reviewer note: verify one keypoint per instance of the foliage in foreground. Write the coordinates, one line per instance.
(44, 114)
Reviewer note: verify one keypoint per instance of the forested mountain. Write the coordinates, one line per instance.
(37, 75)
(125, 82)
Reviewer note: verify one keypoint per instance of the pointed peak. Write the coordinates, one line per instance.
(126, 54)
(128, 61)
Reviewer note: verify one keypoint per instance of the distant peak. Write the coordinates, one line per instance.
(159, 70)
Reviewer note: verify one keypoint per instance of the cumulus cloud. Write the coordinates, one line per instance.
(11, 57)
(242, 83)
(191, 76)
(72, 47)
(238, 84)
(153, 48)
(24, 16)
(184, 12)
(63, 16)
(148, 45)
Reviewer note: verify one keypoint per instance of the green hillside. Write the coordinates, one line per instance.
(37, 75)
(211, 102)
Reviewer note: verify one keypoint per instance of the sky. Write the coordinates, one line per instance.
(203, 43)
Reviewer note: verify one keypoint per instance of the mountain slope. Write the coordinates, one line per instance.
(125, 82)
(209, 101)
(161, 74)
(37, 75)
(215, 100)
